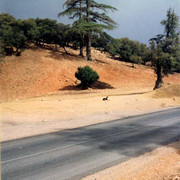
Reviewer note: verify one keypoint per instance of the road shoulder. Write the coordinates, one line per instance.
(160, 164)
(24, 118)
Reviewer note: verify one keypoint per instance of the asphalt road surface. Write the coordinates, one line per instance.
(73, 154)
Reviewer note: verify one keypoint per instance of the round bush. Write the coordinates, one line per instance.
(87, 76)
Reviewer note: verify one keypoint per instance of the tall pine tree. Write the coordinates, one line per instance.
(74, 10)
(171, 24)
(92, 18)
(165, 48)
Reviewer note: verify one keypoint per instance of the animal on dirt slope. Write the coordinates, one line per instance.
(106, 98)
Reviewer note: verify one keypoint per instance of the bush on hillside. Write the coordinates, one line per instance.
(87, 76)
(136, 59)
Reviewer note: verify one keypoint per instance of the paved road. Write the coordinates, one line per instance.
(73, 154)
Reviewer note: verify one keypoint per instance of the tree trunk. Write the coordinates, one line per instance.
(159, 81)
(81, 43)
(81, 49)
(65, 50)
(88, 36)
(17, 49)
(18, 52)
(56, 47)
(88, 47)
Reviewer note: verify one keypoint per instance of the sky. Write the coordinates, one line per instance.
(137, 19)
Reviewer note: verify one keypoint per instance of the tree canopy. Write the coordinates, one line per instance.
(91, 18)
(165, 48)
(163, 53)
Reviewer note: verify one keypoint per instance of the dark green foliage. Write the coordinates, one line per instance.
(6, 20)
(95, 21)
(47, 30)
(11, 33)
(15, 34)
(132, 51)
(2, 51)
(30, 28)
(171, 24)
(87, 76)
(101, 40)
(165, 49)
(136, 59)
(62, 36)
(176, 67)
(91, 18)
(126, 49)
(74, 10)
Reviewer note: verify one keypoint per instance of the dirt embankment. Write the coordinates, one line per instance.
(39, 71)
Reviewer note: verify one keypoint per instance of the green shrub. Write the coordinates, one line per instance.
(136, 59)
(87, 76)
(2, 52)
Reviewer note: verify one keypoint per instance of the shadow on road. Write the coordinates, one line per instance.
(130, 140)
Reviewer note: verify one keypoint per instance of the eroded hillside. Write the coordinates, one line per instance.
(39, 71)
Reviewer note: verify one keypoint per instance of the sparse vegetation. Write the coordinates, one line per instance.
(87, 76)
(47, 86)
(168, 91)
(87, 29)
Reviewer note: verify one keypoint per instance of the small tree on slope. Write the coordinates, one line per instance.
(87, 76)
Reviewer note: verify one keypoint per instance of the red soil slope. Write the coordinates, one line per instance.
(39, 71)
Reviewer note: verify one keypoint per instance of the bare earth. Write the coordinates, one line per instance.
(39, 95)
(56, 112)
(40, 71)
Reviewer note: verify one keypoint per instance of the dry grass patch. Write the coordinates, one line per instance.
(168, 91)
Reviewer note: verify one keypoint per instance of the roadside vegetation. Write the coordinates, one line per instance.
(88, 30)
